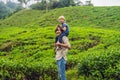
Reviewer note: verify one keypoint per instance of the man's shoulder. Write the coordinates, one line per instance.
(64, 38)
(66, 41)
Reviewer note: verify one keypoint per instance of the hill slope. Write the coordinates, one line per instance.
(28, 51)
(104, 17)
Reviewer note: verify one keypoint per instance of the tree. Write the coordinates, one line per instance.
(88, 3)
(9, 8)
(40, 5)
(47, 5)
(43, 5)
(14, 6)
(18, 8)
(64, 3)
(24, 2)
(11, 5)
(78, 3)
(72, 3)
(56, 4)
(52, 4)
(4, 10)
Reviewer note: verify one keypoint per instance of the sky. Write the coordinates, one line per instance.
(106, 2)
(95, 2)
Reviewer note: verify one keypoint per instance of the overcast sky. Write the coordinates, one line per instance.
(106, 2)
(95, 2)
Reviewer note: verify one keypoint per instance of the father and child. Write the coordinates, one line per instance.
(64, 27)
(61, 46)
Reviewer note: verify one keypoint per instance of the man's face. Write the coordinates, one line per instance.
(58, 32)
(61, 20)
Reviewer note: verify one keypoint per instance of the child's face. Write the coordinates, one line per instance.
(61, 20)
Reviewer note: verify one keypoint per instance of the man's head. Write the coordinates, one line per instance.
(58, 30)
(61, 19)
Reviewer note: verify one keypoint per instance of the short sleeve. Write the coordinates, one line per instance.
(64, 25)
(66, 41)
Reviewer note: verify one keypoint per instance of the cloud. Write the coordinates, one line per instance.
(106, 2)
(95, 2)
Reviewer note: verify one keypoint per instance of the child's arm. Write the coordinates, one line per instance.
(64, 28)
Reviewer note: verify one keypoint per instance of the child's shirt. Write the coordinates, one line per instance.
(67, 28)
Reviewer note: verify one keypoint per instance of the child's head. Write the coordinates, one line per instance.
(61, 19)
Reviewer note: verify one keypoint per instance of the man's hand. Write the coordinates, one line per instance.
(57, 44)
(63, 45)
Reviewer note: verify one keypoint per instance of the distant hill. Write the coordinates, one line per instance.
(103, 17)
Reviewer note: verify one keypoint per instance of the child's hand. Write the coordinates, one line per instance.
(64, 28)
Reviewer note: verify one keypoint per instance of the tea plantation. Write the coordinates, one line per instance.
(27, 44)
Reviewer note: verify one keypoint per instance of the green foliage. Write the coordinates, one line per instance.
(27, 44)
(52, 4)
(97, 17)
(11, 5)
(39, 6)
(23, 1)
(20, 20)
(8, 9)
(30, 55)
(4, 10)
(14, 6)
(64, 3)
(102, 64)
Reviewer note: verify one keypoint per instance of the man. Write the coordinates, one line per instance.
(61, 50)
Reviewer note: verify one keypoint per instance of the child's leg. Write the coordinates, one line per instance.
(56, 39)
(60, 37)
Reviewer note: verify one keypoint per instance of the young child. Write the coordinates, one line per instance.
(64, 27)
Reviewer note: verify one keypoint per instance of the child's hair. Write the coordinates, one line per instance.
(58, 27)
(61, 17)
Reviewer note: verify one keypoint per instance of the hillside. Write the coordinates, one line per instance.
(27, 51)
(27, 44)
(102, 17)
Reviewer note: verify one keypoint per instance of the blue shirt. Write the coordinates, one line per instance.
(67, 28)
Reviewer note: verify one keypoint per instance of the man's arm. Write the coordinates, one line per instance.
(65, 44)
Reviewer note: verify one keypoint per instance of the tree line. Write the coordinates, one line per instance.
(10, 7)
(52, 4)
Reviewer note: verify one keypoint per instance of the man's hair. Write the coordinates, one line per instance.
(59, 28)
(61, 17)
